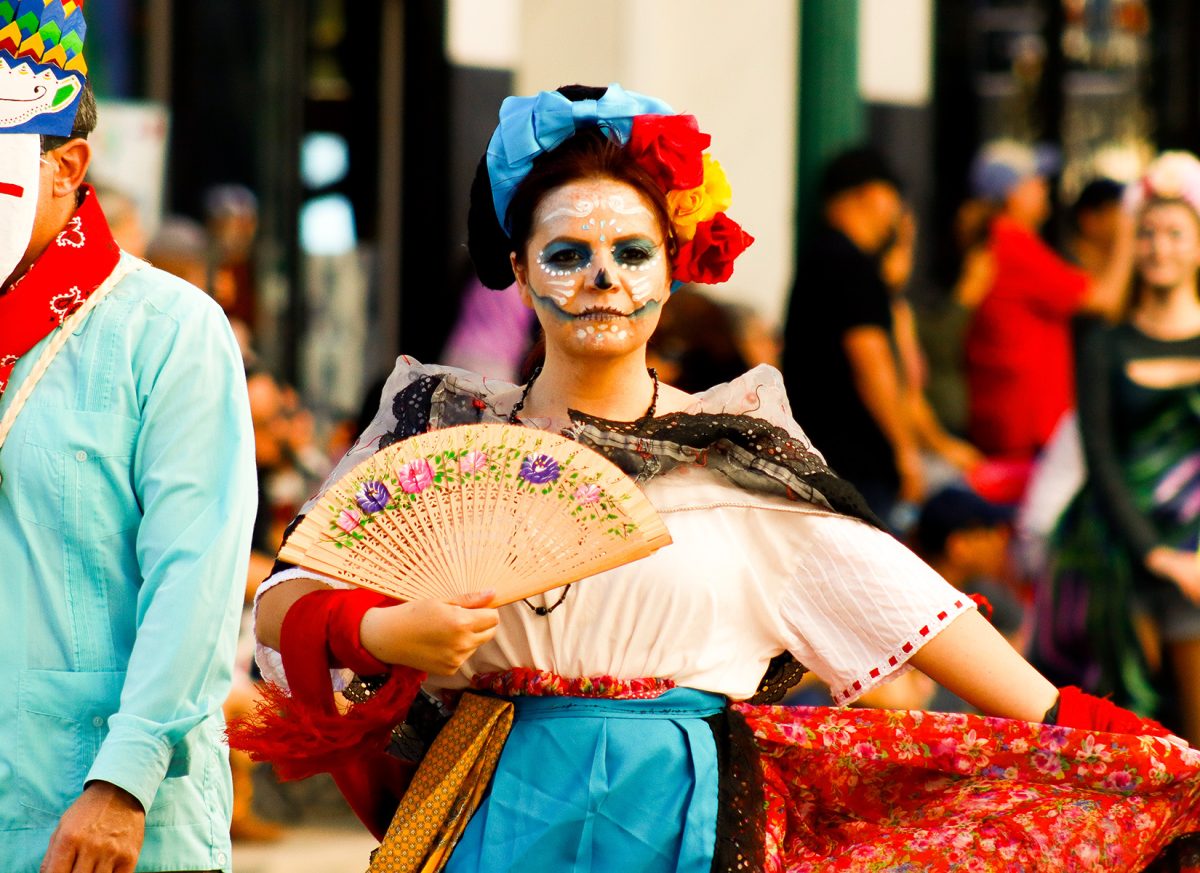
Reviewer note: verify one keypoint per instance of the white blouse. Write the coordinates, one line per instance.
(747, 576)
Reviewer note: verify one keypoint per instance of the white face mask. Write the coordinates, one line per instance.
(20, 163)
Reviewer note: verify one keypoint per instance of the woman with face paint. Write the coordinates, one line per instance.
(640, 736)
(1126, 546)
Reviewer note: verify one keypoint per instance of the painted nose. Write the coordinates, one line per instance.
(602, 280)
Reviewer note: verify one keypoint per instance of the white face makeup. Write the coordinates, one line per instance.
(593, 226)
(597, 264)
(20, 162)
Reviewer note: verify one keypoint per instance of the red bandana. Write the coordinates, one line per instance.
(83, 255)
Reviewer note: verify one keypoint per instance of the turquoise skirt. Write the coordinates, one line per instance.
(600, 786)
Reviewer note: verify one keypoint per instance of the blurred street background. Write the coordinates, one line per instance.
(308, 163)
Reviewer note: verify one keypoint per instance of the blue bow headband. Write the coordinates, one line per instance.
(530, 126)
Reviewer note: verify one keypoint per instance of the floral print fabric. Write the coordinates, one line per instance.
(878, 790)
(526, 682)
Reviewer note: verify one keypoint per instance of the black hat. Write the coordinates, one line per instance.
(855, 168)
(953, 509)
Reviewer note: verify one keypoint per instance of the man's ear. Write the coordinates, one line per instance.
(71, 161)
(522, 277)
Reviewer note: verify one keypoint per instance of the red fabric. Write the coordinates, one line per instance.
(669, 149)
(302, 732)
(1018, 347)
(528, 682)
(998, 480)
(985, 605)
(345, 627)
(1078, 709)
(708, 257)
(867, 789)
(73, 266)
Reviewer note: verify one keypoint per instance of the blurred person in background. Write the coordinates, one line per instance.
(942, 322)
(181, 247)
(124, 220)
(1018, 344)
(1095, 221)
(854, 398)
(126, 499)
(231, 220)
(271, 439)
(695, 344)
(1120, 611)
(757, 340)
(493, 333)
(966, 539)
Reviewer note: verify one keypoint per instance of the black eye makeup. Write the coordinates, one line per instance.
(564, 257)
(634, 253)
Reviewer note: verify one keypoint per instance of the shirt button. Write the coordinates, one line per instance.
(81, 456)
(98, 721)
(221, 858)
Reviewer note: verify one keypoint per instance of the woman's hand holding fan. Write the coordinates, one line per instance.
(430, 635)
(478, 507)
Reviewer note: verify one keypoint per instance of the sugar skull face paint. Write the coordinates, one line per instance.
(597, 229)
(596, 264)
(20, 155)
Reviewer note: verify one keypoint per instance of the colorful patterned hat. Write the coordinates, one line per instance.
(42, 70)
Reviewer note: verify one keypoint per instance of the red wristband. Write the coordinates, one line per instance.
(1078, 709)
(345, 631)
(322, 630)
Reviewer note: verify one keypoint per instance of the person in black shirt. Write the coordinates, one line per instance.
(838, 358)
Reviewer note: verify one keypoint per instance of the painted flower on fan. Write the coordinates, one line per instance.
(472, 462)
(415, 476)
(539, 469)
(695, 205)
(372, 496)
(349, 519)
(586, 494)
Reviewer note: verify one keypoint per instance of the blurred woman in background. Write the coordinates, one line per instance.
(1125, 579)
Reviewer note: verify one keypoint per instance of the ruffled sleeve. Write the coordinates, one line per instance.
(758, 393)
(858, 604)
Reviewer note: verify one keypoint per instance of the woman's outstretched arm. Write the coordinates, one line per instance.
(972, 659)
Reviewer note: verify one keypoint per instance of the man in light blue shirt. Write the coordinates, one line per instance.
(127, 493)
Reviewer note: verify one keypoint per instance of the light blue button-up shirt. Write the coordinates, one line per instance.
(126, 503)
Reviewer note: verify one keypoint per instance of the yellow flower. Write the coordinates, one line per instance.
(690, 208)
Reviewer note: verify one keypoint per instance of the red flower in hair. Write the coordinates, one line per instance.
(708, 257)
(668, 147)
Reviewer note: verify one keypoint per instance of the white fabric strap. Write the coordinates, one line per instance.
(59, 339)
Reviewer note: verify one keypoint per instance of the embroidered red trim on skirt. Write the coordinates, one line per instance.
(527, 682)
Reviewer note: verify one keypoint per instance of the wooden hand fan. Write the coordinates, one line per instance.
(474, 507)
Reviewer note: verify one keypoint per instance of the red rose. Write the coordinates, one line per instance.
(708, 257)
(668, 147)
